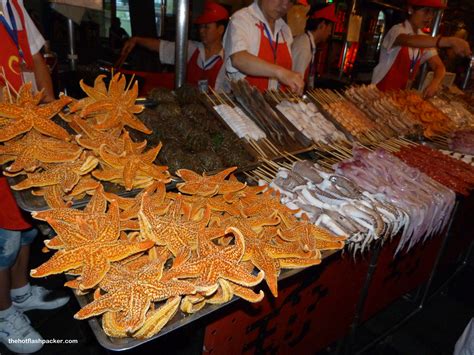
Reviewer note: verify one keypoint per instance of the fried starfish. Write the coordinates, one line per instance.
(115, 176)
(203, 185)
(267, 204)
(93, 139)
(215, 203)
(114, 108)
(261, 249)
(96, 93)
(131, 298)
(166, 224)
(92, 244)
(33, 149)
(132, 161)
(311, 237)
(26, 114)
(215, 263)
(66, 175)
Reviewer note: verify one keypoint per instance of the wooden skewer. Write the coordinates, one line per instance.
(130, 83)
(250, 176)
(210, 99)
(8, 85)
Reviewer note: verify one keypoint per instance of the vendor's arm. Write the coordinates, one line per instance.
(250, 64)
(439, 71)
(43, 78)
(458, 45)
(153, 44)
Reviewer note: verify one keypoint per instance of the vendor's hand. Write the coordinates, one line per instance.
(430, 90)
(459, 46)
(127, 48)
(291, 79)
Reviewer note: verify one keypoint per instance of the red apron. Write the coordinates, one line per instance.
(399, 74)
(10, 215)
(279, 55)
(196, 73)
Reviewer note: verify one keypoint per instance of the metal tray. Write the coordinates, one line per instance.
(179, 320)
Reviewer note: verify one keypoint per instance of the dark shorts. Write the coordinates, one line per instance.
(10, 244)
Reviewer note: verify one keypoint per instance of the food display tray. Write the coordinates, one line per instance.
(179, 320)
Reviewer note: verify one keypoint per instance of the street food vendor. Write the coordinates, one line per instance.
(406, 47)
(205, 58)
(318, 30)
(257, 47)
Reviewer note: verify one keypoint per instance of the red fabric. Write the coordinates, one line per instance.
(265, 52)
(195, 73)
(10, 215)
(399, 74)
(428, 3)
(326, 13)
(151, 80)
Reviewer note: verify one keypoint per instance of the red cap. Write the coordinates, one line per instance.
(438, 4)
(212, 13)
(327, 13)
(302, 2)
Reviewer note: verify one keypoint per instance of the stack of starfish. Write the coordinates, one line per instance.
(214, 239)
(62, 167)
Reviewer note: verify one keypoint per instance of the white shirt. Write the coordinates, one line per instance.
(167, 56)
(242, 34)
(303, 50)
(35, 38)
(388, 52)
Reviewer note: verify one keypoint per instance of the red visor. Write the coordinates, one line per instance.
(212, 13)
(327, 13)
(438, 4)
(303, 2)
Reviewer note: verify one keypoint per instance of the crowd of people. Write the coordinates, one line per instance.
(255, 44)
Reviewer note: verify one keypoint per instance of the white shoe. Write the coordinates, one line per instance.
(41, 298)
(18, 335)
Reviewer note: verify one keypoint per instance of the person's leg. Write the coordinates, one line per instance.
(9, 246)
(19, 270)
(24, 296)
(15, 327)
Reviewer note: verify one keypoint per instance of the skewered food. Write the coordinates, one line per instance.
(428, 203)
(308, 120)
(452, 173)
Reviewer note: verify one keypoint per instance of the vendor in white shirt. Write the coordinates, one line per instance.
(318, 30)
(205, 58)
(406, 47)
(257, 47)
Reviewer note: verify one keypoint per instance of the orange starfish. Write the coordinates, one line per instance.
(195, 184)
(311, 237)
(26, 114)
(31, 150)
(132, 296)
(92, 244)
(262, 251)
(116, 108)
(132, 161)
(215, 263)
(93, 139)
(267, 204)
(166, 225)
(96, 93)
(66, 175)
